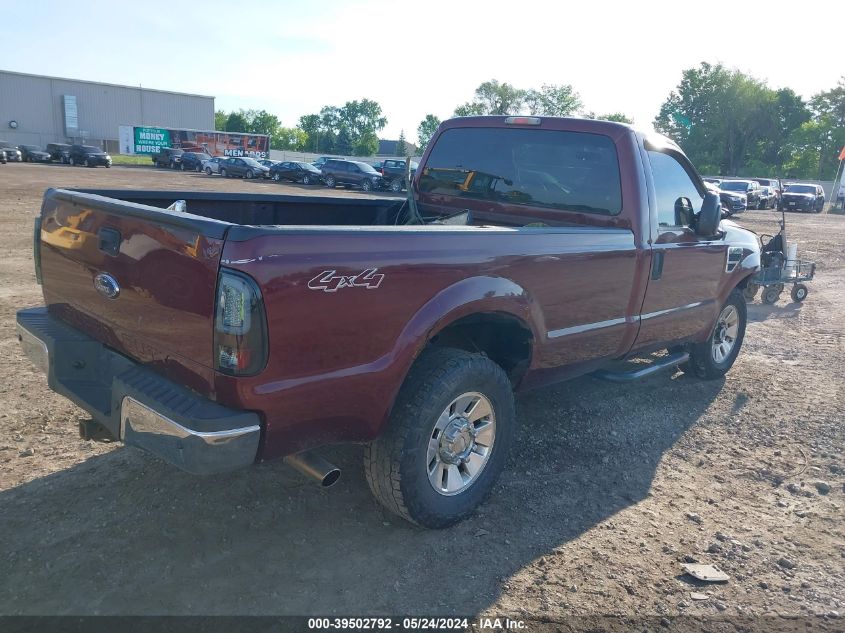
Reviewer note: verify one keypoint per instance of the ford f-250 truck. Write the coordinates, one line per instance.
(237, 328)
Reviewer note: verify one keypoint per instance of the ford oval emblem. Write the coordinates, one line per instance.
(107, 285)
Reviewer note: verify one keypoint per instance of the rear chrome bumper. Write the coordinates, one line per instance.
(135, 404)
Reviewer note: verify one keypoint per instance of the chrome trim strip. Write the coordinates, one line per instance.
(162, 425)
(658, 313)
(586, 327)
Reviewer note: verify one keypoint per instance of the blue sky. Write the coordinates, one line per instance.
(415, 58)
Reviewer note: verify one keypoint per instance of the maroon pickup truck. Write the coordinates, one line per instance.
(228, 329)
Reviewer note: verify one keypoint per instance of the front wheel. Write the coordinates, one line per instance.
(70, 161)
(715, 356)
(208, 171)
(330, 182)
(249, 174)
(367, 185)
(86, 163)
(306, 180)
(799, 292)
(447, 439)
(277, 177)
(396, 185)
(223, 173)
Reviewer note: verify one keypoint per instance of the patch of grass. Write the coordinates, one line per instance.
(119, 159)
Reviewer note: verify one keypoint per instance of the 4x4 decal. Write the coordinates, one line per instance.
(330, 281)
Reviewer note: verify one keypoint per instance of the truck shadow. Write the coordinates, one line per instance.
(758, 312)
(125, 533)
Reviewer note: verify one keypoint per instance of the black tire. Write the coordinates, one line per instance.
(395, 463)
(249, 174)
(306, 179)
(277, 177)
(330, 182)
(750, 291)
(208, 171)
(71, 162)
(367, 184)
(702, 363)
(396, 185)
(182, 166)
(223, 173)
(771, 295)
(799, 292)
(86, 163)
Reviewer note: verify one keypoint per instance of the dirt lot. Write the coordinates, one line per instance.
(610, 490)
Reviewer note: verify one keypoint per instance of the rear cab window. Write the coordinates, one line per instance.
(537, 168)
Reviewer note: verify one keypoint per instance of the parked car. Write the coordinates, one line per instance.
(378, 165)
(212, 165)
(266, 162)
(750, 188)
(351, 173)
(305, 173)
(732, 203)
(802, 197)
(775, 184)
(3, 160)
(393, 172)
(322, 160)
(713, 181)
(192, 161)
(280, 341)
(768, 197)
(59, 152)
(13, 154)
(88, 156)
(168, 157)
(31, 154)
(244, 167)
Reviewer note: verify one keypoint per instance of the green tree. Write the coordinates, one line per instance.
(343, 146)
(425, 130)
(553, 100)
(618, 117)
(220, 117)
(492, 97)
(236, 122)
(401, 145)
(289, 138)
(366, 145)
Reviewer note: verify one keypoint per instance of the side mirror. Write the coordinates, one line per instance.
(709, 216)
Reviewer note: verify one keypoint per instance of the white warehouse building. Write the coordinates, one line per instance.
(36, 110)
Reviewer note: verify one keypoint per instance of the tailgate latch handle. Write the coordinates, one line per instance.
(109, 241)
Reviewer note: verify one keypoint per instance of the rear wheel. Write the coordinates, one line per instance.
(277, 177)
(249, 174)
(208, 171)
(306, 179)
(70, 161)
(223, 173)
(330, 182)
(771, 295)
(715, 356)
(447, 439)
(367, 185)
(396, 185)
(86, 163)
(799, 292)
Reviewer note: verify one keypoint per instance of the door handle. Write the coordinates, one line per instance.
(657, 264)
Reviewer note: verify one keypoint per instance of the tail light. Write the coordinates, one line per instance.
(240, 325)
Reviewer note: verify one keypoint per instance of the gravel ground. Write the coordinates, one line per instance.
(611, 489)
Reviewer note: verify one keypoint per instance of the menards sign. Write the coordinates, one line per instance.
(147, 140)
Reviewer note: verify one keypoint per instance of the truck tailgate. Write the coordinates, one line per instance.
(139, 279)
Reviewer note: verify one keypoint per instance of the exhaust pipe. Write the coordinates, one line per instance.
(316, 467)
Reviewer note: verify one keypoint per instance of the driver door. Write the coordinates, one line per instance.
(680, 301)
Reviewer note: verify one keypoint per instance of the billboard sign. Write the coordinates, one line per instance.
(146, 140)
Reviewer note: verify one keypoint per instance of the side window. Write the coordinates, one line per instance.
(671, 184)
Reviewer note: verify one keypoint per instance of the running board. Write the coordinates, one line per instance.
(668, 362)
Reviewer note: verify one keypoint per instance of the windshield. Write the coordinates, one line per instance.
(252, 162)
(6, 145)
(734, 185)
(569, 171)
(366, 168)
(29, 148)
(308, 167)
(89, 148)
(800, 189)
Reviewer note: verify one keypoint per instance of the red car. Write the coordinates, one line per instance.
(239, 328)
